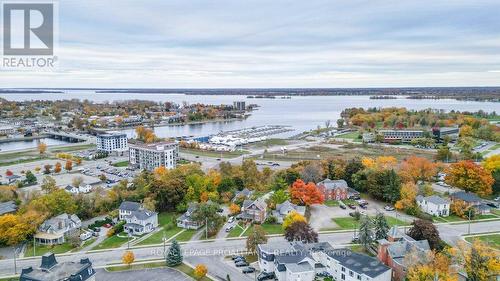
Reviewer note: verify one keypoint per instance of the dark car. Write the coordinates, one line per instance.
(342, 206)
(351, 206)
(355, 240)
(354, 197)
(236, 257)
(363, 206)
(239, 259)
(266, 276)
(248, 270)
(241, 263)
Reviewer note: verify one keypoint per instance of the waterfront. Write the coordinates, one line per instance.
(29, 144)
(301, 112)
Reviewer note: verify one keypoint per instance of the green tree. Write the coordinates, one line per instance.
(352, 167)
(30, 178)
(278, 197)
(256, 237)
(174, 256)
(48, 184)
(365, 232)
(208, 212)
(425, 230)
(381, 226)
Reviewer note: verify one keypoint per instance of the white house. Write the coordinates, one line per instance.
(56, 229)
(299, 261)
(141, 222)
(434, 205)
(138, 220)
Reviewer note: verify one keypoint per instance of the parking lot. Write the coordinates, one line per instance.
(113, 174)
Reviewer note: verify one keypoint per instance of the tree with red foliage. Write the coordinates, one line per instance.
(307, 194)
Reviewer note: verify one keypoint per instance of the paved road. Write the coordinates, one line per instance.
(449, 232)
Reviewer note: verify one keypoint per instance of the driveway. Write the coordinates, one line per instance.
(153, 274)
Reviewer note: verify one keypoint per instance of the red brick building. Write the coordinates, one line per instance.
(334, 189)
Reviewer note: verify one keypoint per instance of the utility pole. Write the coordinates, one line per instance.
(34, 245)
(206, 228)
(468, 231)
(15, 262)
(164, 244)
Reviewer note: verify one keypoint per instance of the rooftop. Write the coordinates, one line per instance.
(7, 207)
(51, 270)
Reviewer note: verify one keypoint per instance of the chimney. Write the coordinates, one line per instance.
(48, 261)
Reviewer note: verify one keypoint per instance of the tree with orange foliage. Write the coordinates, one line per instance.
(160, 171)
(459, 208)
(69, 165)
(42, 147)
(417, 168)
(434, 265)
(234, 209)
(471, 177)
(307, 194)
(128, 258)
(57, 167)
(200, 271)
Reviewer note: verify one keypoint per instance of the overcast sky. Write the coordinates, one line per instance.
(246, 43)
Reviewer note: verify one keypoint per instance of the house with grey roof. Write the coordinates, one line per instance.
(51, 270)
(282, 210)
(56, 229)
(7, 207)
(255, 211)
(299, 261)
(243, 194)
(140, 222)
(434, 205)
(472, 200)
(126, 208)
(186, 220)
(393, 250)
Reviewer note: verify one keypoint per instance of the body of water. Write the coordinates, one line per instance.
(301, 112)
(7, 146)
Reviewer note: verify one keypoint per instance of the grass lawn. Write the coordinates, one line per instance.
(42, 249)
(111, 242)
(186, 235)
(236, 231)
(165, 220)
(121, 164)
(9, 279)
(182, 268)
(351, 223)
(85, 244)
(493, 240)
(331, 203)
(455, 218)
(351, 135)
(269, 228)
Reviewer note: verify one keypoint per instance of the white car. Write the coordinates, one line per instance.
(389, 208)
(497, 199)
(230, 220)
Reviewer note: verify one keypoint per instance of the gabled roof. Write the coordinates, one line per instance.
(466, 196)
(259, 203)
(129, 206)
(142, 214)
(7, 207)
(333, 184)
(434, 199)
(359, 263)
(288, 206)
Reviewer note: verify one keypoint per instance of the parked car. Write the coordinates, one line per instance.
(229, 228)
(363, 206)
(230, 220)
(240, 259)
(354, 197)
(235, 257)
(351, 206)
(342, 206)
(248, 270)
(241, 263)
(497, 199)
(266, 276)
(389, 208)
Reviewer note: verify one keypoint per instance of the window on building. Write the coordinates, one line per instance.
(342, 276)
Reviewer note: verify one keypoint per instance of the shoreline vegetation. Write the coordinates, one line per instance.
(458, 93)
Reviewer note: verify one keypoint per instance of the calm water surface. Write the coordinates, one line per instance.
(302, 113)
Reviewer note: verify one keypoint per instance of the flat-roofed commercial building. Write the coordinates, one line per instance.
(401, 135)
(153, 155)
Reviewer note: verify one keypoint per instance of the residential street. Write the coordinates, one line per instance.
(193, 250)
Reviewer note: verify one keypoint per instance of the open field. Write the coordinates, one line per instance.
(347, 152)
(215, 154)
(354, 136)
(268, 228)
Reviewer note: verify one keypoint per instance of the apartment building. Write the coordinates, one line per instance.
(112, 142)
(154, 155)
(401, 135)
